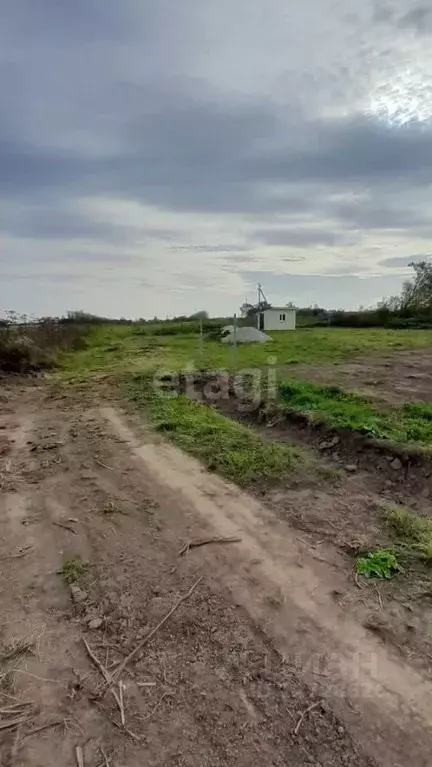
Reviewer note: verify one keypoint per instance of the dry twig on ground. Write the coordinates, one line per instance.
(157, 706)
(136, 738)
(151, 634)
(105, 758)
(20, 554)
(104, 466)
(79, 756)
(380, 602)
(45, 727)
(122, 711)
(106, 675)
(306, 711)
(205, 542)
(15, 722)
(65, 527)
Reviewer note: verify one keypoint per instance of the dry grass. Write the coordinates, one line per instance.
(30, 347)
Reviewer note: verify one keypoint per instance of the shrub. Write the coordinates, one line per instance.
(31, 347)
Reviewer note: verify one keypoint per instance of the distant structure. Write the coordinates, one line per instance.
(265, 317)
(277, 318)
(243, 335)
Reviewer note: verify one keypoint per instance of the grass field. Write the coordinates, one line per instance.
(132, 348)
(410, 424)
(225, 446)
(132, 354)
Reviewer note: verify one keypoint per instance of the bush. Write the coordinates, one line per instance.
(29, 348)
(20, 355)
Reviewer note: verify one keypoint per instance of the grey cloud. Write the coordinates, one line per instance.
(357, 149)
(331, 291)
(299, 237)
(66, 220)
(132, 100)
(45, 222)
(375, 215)
(418, 19)
(226, 175)
(396, 14)
(400, 261)
(210, 248)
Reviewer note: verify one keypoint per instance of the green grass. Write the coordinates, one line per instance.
(410, 424)
(224, 446)
(74, 570)
(413, 534)
(381, 563)
(133, 348)
(119, 350)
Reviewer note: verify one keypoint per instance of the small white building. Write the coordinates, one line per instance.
(277, 318)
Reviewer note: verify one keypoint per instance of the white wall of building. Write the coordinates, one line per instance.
(279, 319)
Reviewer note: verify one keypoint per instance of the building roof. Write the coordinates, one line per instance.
(279, 309)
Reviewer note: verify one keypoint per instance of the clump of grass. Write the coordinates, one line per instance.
(422, 410)
(381, 563)
(413, 533)
(225, 446)
(411, 423)
(74, 570)
(111, 507)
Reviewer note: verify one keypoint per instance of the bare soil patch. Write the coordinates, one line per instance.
(337, 502)
(397, 377)
(261, 665)
(401, 473)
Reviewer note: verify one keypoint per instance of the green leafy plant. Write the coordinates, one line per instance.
(381, 563)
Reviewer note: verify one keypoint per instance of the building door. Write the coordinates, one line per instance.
(261, 321)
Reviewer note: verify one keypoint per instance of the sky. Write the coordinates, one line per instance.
(159, 157)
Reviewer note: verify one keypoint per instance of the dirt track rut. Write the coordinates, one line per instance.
(226, 680)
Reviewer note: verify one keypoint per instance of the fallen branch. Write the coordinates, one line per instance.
(105, 758)
(44, 727)
(380, 602)
(122, 712)
(104, 466)
(20, 554)
(136, 738)
(151, 634)
(33, 676)
(356, 581)
(158, 705)
(15, 722)
(65, 527)
(79, 756)
(106, 675)
(205, 542)
(307, 711)
(12, 709)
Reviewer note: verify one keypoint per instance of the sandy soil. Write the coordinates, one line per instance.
(227, 679)
(397, 377)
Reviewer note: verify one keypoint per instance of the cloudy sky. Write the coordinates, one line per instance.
(162, 156)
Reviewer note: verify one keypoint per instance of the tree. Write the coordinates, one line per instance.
(416, 296)
(201, 315)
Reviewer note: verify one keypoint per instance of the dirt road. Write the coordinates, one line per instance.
(259, 666)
